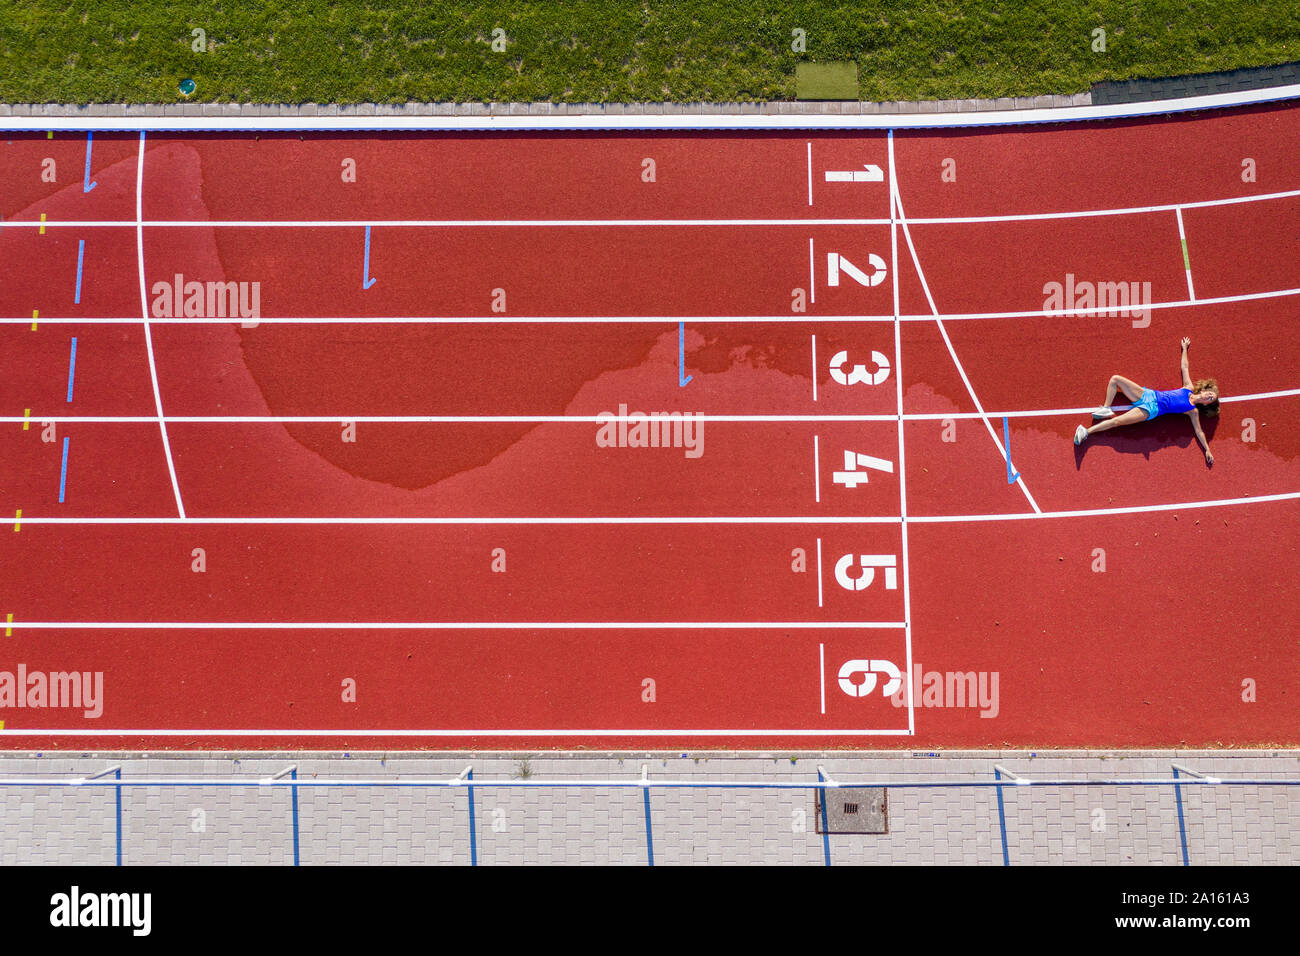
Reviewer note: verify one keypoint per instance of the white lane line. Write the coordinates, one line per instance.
(812, 273)
(902, 457)
(522, 520)
(814, 365)
(1187, 262)
(810, 202)
(902, 218)
(435, 223)
(574, 419)
(819, 572)
(488, 732)
(657, 319)
(1116, 211)
(1070, 313)
(735, 519)
(817, 471)
(148, 333)
(488, 223)
(821, 656)
(452, 625)
(1101, 512)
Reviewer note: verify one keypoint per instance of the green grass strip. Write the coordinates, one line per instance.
(607, 50)
(826, 81)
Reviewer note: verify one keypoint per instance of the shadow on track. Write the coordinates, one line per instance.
(1149, 436)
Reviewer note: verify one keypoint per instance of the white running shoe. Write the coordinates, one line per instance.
(1080, 434)
(1103, 412)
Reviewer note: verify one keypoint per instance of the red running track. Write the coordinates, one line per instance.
(403, 523)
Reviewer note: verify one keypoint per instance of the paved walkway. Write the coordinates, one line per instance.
(571, 825)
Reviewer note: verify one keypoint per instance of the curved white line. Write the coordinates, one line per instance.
(570, 419)
(1100, 512)
(916, 262)
(592, 223)
(565, 223)
(636, 121)
(148, 333)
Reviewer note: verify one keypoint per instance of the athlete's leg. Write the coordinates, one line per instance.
(1132, 390)
(1130, 417)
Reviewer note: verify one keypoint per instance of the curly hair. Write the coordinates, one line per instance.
(1211, 410)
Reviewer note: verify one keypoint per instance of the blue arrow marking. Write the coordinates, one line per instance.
(63, 475)
(72, 366)
(87, 185)
(1006, 439)
(682, 377)
(81, 256)
(366, 281)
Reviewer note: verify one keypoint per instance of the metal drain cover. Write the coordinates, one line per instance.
(853, 810)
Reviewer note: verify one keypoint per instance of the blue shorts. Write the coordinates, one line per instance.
(1148, 403)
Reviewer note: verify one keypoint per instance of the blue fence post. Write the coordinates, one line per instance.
(649, 834)
(473, 842)
(826, 830)
(1002, 820)
(118, 788)
(293, 795)
(1182, 826)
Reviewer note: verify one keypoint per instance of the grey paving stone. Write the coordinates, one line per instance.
(954, 826)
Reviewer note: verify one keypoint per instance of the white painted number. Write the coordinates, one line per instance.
(868, 564)
(869, 173)
(850, 477)
(859, 374)
(868, 670)
(836, 263)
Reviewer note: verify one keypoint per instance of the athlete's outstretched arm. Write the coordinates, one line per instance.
(1187, 378)
(1195, 416)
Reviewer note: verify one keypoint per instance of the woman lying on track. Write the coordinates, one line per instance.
(1148, 403)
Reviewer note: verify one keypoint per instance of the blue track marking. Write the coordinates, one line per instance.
(1011, 478)
(87, 185)
(826, 828)
(1002, 816)
(293, 775)
(649, 835)
(81, 256)
(1182, 826)
(682, 377)
(119, 806)
(473, 839)
(72, 366)
(366, 281)
(63, 476)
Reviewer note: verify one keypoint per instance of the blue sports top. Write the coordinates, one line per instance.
(1174, 400)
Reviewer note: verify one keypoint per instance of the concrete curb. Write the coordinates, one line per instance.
(783, 108)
